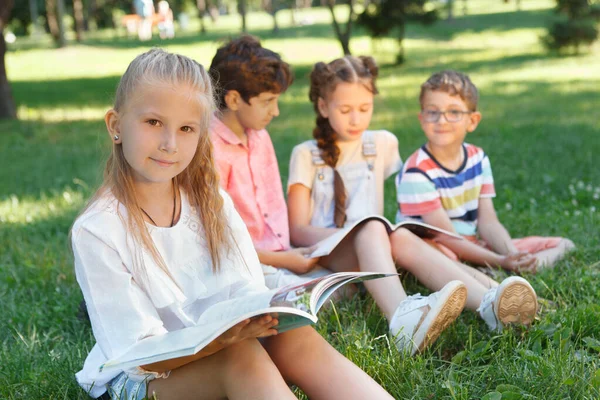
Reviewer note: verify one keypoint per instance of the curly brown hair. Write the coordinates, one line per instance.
(455, 84)
(243, 65)
(324, 78)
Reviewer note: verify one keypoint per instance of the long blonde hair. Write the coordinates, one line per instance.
(199, 180)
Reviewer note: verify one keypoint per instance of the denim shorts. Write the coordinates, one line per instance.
(124, 388)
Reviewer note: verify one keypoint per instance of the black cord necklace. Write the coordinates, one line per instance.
(174, 207)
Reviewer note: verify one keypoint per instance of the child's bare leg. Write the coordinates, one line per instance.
(241, 371)
(485, 280)
(432, 268)
(304, 358)
(368, 250)
(548, 258)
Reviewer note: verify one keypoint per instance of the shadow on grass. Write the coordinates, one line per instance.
(42, 156)
(61, 93)
(440, 31)
(502, 21)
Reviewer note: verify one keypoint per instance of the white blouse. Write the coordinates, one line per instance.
(121, 310)
(364, 166)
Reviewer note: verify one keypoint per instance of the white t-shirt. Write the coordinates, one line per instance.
(364, 166)
(121, 311)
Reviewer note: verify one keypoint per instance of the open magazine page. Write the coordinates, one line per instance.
(174, 344)
(421, 229)
(294, 306)
(327, 290)
(426, 231)
(213, 322)
(231, 309)
(326, 246)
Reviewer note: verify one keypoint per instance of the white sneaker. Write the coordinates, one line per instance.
(513, 301)
(419, 320)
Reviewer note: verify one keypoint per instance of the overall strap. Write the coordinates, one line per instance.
(369, 150)
(318, 162)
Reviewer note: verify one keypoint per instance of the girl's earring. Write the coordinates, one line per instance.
(116, 137)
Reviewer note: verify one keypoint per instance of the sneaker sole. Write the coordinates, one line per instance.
(517, 303)
(453, 298)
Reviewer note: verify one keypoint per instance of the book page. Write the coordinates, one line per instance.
(426, 231)
(326, 246)
(231, 309)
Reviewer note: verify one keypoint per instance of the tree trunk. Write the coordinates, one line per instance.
(201, 5)
(55, 10)
(343, 37)
(242, 11)
(51, 18)
(450, 7)
(60, 16)
(33, 10)
(293, 8)
(275, 26)
(7, 104)
(400, 58)
(79, 20)
(92, 24)
(465, 9)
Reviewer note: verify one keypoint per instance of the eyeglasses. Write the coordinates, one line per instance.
(450, 115)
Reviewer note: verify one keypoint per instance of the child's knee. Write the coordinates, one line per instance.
(372, 230)
(244, 356)
(403, 238)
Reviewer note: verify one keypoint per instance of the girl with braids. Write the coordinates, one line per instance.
(159, 243)
(338, 179)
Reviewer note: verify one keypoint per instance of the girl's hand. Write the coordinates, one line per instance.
(520, 262)
(249, 329)
(297, 260)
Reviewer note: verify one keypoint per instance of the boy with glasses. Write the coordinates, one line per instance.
(448, 183)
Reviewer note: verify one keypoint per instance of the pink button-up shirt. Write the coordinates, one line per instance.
(250, 175)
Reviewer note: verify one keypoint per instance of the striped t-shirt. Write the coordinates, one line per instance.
(424, 185)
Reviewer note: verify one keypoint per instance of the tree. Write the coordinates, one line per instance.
(242, 7)
(206, 7)
(389, 16)
(55, 11)
(33, 11)
(343, 35)
(79, 20)
(7, 104)
(576, 25)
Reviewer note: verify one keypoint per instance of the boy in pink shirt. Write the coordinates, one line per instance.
(250, 80)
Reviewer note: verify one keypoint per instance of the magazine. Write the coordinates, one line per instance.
(421, 229)
(293, 305)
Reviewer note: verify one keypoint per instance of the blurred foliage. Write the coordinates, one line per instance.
(385, 17)
(576, 25)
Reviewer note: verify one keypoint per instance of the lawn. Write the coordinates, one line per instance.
(540, 129)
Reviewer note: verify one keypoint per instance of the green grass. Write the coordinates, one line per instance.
(540, 129)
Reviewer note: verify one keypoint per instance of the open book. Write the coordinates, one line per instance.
(293, 305)
(421, 229)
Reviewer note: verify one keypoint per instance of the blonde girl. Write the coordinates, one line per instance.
(159, 243)
(337, 179)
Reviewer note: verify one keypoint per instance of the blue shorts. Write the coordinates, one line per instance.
(124, 388)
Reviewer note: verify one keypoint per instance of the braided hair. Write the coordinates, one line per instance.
(324, 78)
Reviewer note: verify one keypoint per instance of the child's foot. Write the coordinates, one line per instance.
(419, 320)
(513, 301)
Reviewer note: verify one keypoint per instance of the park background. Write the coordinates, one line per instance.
(540, 129)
